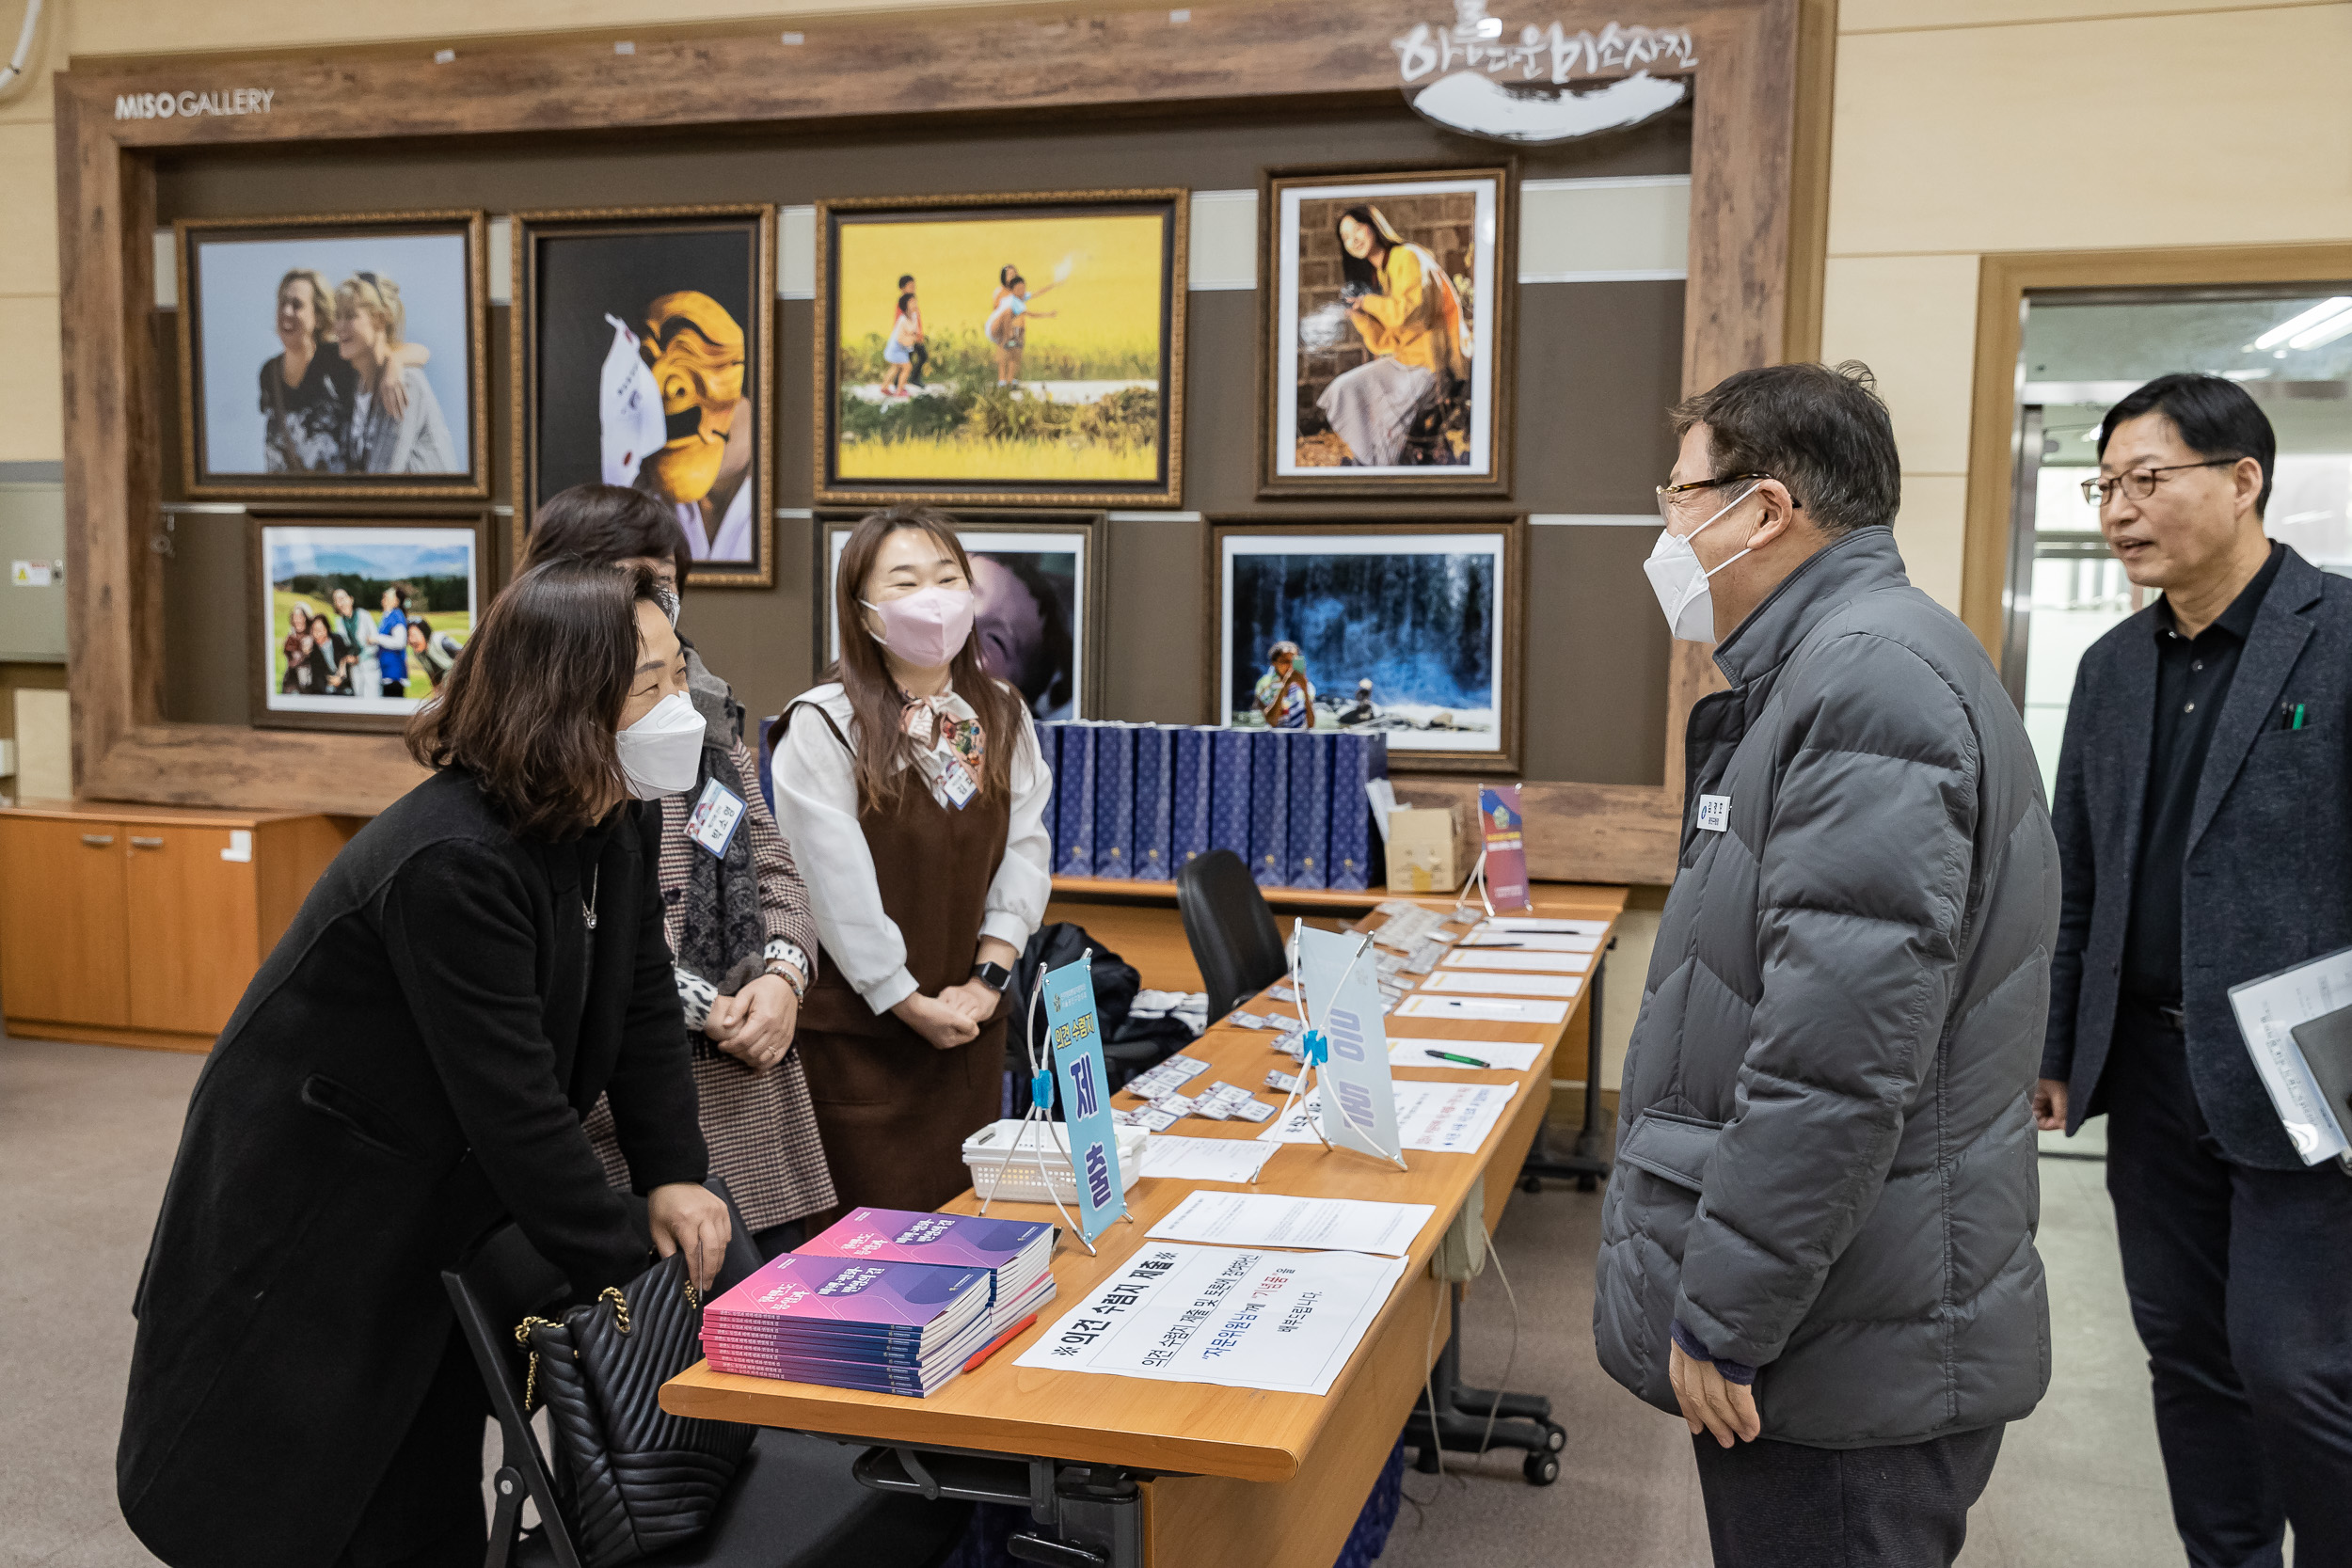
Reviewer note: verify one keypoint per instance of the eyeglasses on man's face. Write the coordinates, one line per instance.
(1674, 499)
(2139, 483)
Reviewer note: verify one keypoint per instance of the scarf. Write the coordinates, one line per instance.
(722, 933)
(946, 721)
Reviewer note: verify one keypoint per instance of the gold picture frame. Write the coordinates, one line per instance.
(1107, 403)
(211, 392)
(533, 232)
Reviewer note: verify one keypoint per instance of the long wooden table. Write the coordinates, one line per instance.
(1219, 1476)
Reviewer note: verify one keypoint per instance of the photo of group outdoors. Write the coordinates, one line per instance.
(333, 357)
(1387, 322)
(361, 622)
(1024, 348)
(1411, 633)
(644, 358)
(1035, 582)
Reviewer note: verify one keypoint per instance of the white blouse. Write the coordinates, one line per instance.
(816, 788)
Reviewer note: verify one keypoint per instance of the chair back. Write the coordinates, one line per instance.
(1232, 931)
(505, 1282)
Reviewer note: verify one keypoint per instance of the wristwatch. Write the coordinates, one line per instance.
(996, 976)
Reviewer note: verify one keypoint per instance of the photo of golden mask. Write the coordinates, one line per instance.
(695, 352)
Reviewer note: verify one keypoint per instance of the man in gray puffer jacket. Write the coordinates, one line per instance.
(1819, 1243)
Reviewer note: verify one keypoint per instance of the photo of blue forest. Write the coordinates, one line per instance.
(1401, 641)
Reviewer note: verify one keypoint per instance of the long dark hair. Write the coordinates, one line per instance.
(608, 523)
(531, 705)
(1360, 269)
(886, 752)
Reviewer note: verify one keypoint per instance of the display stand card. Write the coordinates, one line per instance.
(1499, 822)
(1077, 1045)
(1359, 1097)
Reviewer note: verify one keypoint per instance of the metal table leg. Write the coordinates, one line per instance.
(1585, 1165)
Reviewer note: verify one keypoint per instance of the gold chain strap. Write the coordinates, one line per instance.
(620, 1316)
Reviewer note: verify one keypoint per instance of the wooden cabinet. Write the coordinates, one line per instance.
(141, 926)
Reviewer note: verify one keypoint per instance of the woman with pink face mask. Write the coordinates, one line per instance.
(911, 788)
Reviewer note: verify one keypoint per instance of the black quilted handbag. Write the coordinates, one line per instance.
(641, 1478)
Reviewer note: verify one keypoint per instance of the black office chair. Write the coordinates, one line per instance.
(1231, 930)
(793, 1503)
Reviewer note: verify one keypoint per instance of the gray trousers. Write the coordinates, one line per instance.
(1782, 1505)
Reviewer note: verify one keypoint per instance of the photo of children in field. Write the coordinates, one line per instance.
(995, 350)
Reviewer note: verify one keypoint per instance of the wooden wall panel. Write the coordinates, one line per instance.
(1307, 54)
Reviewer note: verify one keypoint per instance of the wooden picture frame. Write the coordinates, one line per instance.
(567, 370)
(1354, 639)
(1464, 219)
(308, 428)
(1090, 422)
(305, 556)
(1087, 598)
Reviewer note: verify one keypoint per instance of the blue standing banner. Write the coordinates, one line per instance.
(1076, 1035)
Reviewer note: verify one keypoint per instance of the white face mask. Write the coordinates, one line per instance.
(661, 753)
(1680, 582)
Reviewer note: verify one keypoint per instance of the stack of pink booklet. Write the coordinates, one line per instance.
(1018, 1253)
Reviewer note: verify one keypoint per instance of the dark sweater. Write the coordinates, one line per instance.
(409, 1067)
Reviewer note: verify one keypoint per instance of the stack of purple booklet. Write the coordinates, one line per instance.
(1018, 1253)
(891, 1328)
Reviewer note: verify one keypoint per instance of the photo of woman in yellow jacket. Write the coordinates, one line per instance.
(1406, 309)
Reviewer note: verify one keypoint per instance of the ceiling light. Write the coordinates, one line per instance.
(2324, 310)
(2325, 332)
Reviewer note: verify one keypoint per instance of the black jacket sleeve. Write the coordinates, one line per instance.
(458, 928)
(2079, 884)
(655, 1113)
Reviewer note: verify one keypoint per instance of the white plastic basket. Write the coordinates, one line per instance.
(984, 1153)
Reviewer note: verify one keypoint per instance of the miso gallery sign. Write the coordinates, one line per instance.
(188, 105)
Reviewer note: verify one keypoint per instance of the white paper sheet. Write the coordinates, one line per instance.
(1531, 923)
(1442, 1119)
(1285, 1322)
(1484, 1009)
(1498, 958)
(1505, 1056)
(1272, 1219)
(1479, 982)
(2267, 1011)
(1532, 942)
(1204, 1158)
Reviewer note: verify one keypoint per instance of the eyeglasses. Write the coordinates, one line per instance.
(2141, 482)
(1671, 495)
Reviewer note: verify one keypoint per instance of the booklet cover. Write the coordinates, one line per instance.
(906, 1236)
(853, 1298)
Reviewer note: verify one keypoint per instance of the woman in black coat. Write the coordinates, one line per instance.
(409, 1068)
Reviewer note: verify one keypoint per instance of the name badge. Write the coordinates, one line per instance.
(955, 779)
(1715, 812)
(716, 817)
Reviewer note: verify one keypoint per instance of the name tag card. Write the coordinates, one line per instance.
(716, 817)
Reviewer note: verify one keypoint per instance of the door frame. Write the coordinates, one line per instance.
(2003, 281)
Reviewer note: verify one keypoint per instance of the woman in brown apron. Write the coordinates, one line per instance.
(911, 789)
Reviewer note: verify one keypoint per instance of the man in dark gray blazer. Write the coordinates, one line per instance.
(2204, 825)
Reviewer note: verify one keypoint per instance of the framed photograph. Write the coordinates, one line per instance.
(1003, 350)
(1040, 580)
(1414, 630)
(1385, 307)
(359, 620)
(334, 355)
(642, 347)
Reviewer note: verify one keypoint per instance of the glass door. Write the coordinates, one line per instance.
(2084, 351)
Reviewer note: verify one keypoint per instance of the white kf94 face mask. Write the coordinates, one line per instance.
(1679, 580)
(661, 753)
